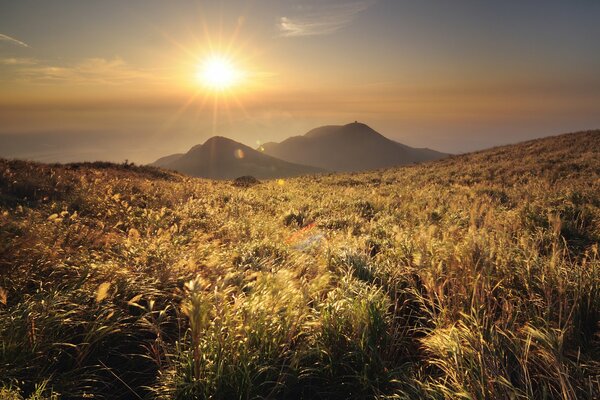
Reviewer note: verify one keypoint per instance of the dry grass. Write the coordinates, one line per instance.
(473, 277)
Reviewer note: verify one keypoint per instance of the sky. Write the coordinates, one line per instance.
(122, 79)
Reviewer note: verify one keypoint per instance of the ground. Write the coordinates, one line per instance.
(475, 277)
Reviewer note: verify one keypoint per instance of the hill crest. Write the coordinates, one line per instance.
(351, 147)
(223, 158)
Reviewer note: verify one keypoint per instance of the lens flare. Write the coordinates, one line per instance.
(239, 154)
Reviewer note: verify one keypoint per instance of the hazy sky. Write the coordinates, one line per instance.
(116, 79)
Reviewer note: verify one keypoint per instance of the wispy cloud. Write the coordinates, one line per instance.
(322, 18)
(90, 71)
(6, 38)
(18, 61)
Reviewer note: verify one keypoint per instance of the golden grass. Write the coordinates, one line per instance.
(473, 277)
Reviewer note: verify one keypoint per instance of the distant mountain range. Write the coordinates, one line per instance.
(351, 147)
(223, 158)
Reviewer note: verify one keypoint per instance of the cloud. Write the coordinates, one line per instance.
(6, 38)
(321, 18)
(89, 71)
(18, 61)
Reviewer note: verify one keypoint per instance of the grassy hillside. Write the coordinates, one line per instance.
(477, 276)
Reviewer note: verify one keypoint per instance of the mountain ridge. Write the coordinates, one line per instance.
(348, 148)
(223, 158)
(354, 147)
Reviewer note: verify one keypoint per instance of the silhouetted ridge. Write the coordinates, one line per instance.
(223, 158)
(352, 147)
(222, 141)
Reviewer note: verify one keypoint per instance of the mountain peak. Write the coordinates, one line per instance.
(351, 147)
(223, 158)
(357, 124)
(359, 129)
(354, 129)
(216, 140)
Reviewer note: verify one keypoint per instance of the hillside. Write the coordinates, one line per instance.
(351, 147)
(222, 158)
(475, 276)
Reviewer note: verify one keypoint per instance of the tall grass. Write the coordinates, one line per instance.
(476, 277)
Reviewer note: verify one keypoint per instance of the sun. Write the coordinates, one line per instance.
(218, 73)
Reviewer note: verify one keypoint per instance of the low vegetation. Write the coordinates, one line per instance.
(473, 277)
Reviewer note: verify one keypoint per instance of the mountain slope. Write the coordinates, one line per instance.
(222, 158)
(351, 147)
(167, 159)
(109, 268)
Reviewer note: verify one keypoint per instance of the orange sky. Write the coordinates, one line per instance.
(117, 79)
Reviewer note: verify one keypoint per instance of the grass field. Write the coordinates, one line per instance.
(474, 277)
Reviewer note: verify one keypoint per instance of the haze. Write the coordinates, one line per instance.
(115, 80)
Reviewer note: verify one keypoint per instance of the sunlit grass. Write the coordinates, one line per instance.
(472, 277)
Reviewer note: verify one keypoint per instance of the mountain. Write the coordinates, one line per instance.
(167, 159)
(351, 147)
(223, 158)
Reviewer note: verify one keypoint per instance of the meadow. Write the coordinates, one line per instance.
(472, 277)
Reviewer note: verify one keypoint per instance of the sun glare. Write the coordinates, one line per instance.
(218, 73)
